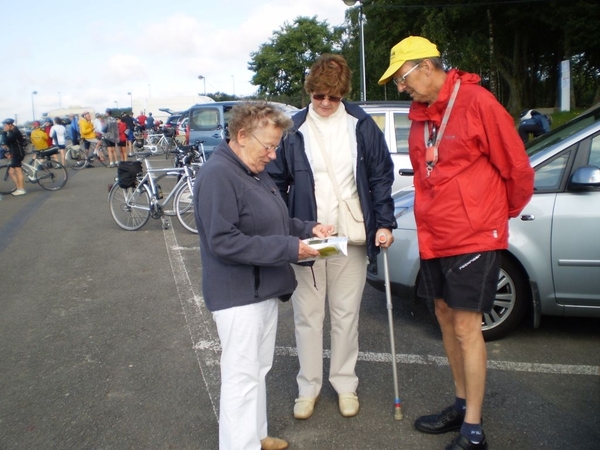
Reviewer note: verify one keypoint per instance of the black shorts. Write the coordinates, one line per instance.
(17, 159)
(108, 143)
(468, 282)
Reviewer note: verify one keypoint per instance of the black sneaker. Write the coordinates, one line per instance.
(463, 443)
(448, 420)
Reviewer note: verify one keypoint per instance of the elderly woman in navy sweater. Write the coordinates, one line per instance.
(247, 242)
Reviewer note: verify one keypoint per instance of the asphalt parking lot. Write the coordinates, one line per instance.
(106, 344)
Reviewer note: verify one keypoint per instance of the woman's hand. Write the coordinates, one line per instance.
(306, 251)
(323, 231)
(384, 238)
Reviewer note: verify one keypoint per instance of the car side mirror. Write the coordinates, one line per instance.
(406, 172)
(584, 177)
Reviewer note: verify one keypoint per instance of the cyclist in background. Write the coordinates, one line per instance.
(39, 138)
(88, 134)
(111, 137)
(122, 142)
(142, 120)
(13, 143)
(58, 133)
(150, 123)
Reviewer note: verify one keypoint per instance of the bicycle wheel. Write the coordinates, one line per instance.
(51, 175)
(75, 158)
(130, 208)
(6, 183)
(184, 206)
(102, 155)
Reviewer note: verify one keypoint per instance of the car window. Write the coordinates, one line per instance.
(563, 132)
(549, 176)
(173, 119)
(205, 119)
(379, 119)
(595, 152)
(402, 127)
(226, 119)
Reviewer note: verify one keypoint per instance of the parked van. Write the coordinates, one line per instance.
(209, 122)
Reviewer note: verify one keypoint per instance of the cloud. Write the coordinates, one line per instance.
(122, 68)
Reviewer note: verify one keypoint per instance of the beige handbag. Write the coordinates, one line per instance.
(351, 222)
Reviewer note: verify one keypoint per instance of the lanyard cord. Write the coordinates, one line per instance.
(431, 154)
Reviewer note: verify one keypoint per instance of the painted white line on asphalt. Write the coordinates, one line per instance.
(198, 319)
(561, 369)
(208, 348)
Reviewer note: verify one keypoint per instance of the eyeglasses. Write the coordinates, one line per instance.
(402, 79)
(267, 147)
(331, 98)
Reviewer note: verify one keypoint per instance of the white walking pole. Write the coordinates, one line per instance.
(388, 297)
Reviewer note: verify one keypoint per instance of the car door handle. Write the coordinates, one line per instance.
(527, 217)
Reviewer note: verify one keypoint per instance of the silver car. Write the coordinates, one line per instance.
(392, 119)
(552, 265)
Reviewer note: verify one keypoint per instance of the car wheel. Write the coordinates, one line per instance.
(510, 304)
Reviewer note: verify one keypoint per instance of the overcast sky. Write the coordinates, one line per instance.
(93, 53)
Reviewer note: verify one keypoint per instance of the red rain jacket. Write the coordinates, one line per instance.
(482, 176)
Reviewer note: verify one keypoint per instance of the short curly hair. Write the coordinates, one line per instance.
(329, 75)
(252, 115)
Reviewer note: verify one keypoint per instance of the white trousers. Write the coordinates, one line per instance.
(247, 335)
(341, 281)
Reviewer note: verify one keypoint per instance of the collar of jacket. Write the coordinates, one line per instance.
(354, 110)
(226, 151)
(421, 112)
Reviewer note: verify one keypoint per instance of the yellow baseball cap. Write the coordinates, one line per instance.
(411, 48)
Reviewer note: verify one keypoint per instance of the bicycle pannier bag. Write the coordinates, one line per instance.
(127, 173)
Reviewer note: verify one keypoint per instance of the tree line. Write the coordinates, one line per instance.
(516, 46)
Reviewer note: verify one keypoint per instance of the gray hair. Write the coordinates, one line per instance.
(252, 115)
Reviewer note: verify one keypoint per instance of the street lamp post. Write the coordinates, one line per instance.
(32, 108)
(201, 77)
(363, 79)
(130, 101)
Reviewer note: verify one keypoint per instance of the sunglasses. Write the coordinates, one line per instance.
(331, 98)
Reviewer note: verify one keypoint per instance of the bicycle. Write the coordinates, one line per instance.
(184, 200)
(132, 205)
(77, 157)
(158, 144)
(48, 173)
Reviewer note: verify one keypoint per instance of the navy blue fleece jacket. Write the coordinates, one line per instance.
(247, 239)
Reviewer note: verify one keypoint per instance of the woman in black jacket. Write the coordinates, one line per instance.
(334, 146)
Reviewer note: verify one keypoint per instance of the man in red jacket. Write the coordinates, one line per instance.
(471, 175)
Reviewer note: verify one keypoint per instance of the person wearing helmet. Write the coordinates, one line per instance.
(39, 138)
(46, 127)
(15, 149)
